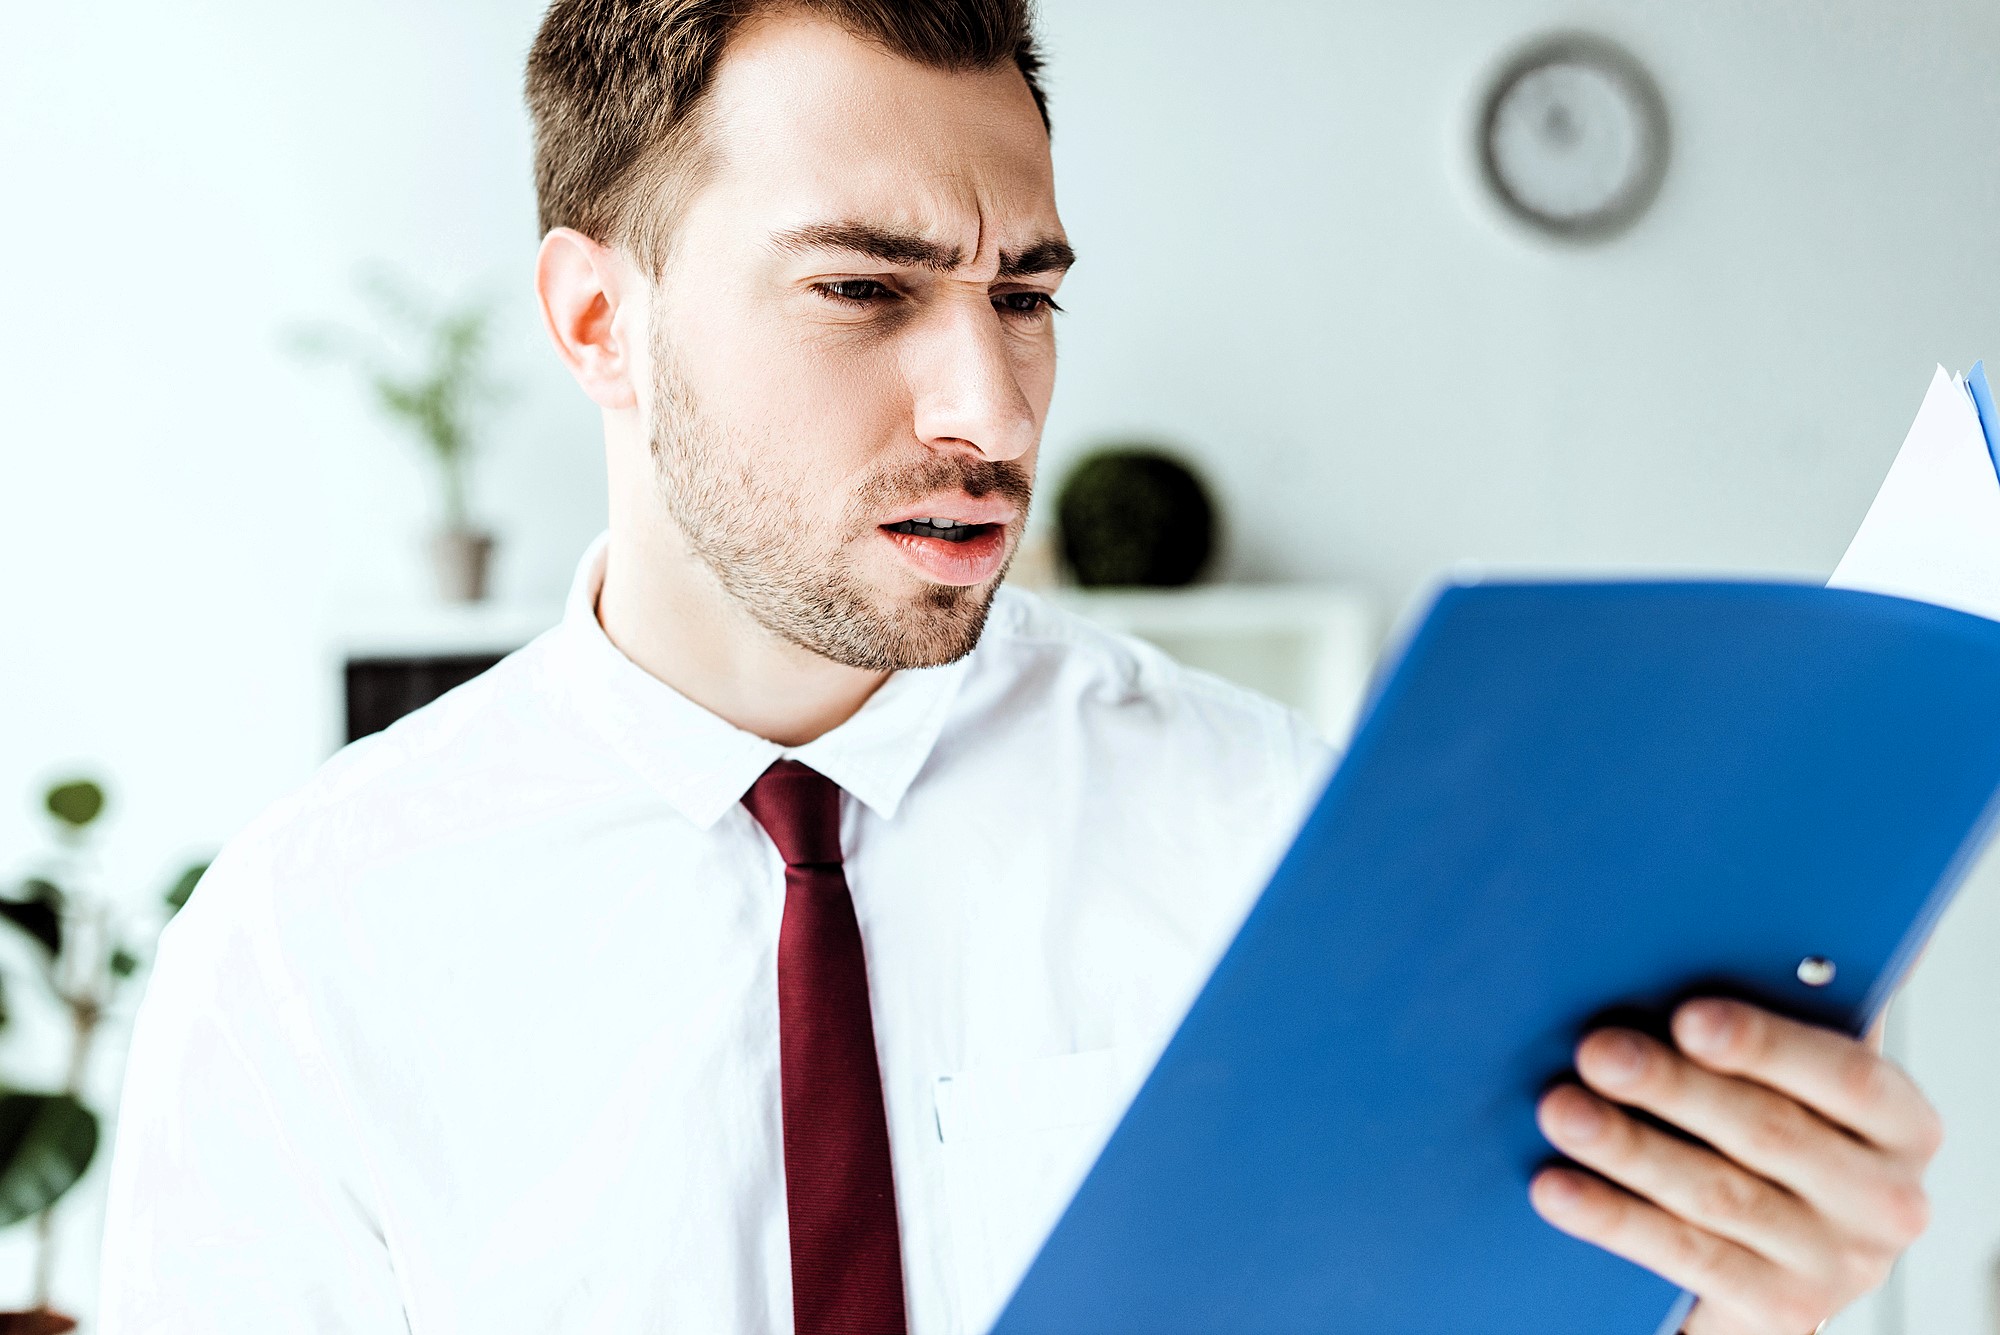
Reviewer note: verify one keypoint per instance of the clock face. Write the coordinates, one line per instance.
(1574, 138)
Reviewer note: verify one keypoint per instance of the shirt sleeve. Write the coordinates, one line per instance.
(1303, 761)
(239, 1202)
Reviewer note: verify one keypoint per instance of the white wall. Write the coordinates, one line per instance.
(1288, 266)
(1287, 269)
(182, 508)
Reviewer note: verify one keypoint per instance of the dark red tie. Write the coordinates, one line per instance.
(847, 1262)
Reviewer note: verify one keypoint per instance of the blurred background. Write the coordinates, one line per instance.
(1295, 274)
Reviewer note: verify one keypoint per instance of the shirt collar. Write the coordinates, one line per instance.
(702, 763)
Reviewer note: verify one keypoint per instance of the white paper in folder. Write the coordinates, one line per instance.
(1933, 532)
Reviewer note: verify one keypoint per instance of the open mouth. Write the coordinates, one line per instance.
(942, 549)
(938, 527)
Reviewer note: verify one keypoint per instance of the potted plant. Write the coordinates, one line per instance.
(48, 1138)
(1134, 515)
(431, 379)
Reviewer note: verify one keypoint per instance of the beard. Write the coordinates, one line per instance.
(797, 578)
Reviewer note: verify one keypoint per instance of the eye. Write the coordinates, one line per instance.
(855, 291)
(1032, 305)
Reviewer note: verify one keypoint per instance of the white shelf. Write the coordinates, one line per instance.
(439, 629)
(1311, 646)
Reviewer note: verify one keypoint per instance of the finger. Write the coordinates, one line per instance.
(1829, 1072)
(1766, 1132)
(1717, 1269)
(1688, 1181)
(1707, 1318)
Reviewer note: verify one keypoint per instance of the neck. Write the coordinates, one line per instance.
(667, 612)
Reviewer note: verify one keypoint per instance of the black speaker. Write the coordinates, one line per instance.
(382, 690)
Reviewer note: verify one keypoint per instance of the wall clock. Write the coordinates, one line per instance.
(1573, 137)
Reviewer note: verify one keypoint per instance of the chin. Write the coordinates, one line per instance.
(944, 621)
(893, 621)
(935, 624)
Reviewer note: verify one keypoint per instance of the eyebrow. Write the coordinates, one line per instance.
(913, 250)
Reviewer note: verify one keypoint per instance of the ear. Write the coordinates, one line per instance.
(594, 306)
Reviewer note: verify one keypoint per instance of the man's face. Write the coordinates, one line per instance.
(853, 332)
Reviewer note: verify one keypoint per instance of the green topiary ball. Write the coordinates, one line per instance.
(1131, 515)
(76, 803)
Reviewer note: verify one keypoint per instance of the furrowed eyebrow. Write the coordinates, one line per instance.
(1050, 256)
(877, 243)
(911, 250)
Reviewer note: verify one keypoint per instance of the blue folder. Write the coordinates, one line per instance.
(1982, 403)
(1568, 802)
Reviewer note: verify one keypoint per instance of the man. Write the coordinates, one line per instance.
(773, 943)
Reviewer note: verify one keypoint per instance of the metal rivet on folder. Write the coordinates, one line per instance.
(1816, 971)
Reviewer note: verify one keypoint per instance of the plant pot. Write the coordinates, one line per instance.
(459, 558)
(39, 1321)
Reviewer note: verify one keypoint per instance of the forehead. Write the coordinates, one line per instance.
(807, 121)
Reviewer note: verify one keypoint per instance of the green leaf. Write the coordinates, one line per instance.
(177, 894)
(38, 918)
(393, 296)
(77, 803)
(123, 962)
(46, 1144)
(5, 1014)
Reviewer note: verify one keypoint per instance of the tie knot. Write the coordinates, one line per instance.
(800, 809)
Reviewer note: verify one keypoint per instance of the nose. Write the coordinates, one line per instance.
(967, 376)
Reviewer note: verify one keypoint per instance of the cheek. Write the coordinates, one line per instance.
(1035, 373)
(817, 423)
(835, 419)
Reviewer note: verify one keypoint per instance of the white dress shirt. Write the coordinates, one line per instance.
(477, 1032)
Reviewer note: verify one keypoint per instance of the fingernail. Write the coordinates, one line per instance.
(1618, 1059)
(1706, 1026)
(1581, 1122)
(1559, 1191)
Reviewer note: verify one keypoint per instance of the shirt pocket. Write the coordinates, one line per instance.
(1017, 1141)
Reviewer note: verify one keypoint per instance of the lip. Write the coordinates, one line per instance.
(959, 506)
(973, 561)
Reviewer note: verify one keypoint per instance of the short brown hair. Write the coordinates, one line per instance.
(614, 86)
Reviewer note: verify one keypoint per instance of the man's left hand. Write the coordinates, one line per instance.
(1813, 1187)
